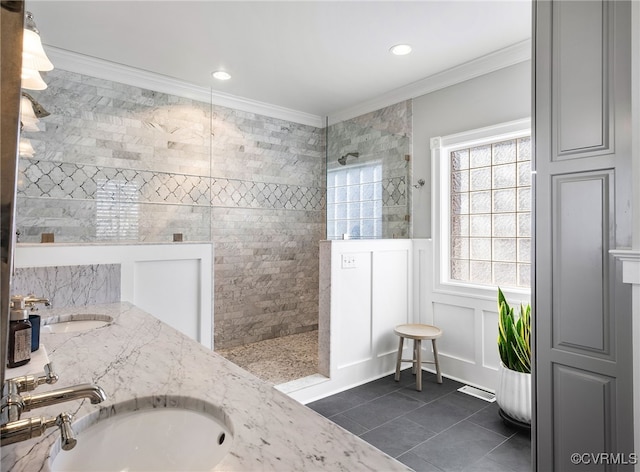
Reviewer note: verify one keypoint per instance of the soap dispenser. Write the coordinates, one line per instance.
(19, 334)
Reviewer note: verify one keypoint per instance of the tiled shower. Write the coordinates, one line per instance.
(118, 163)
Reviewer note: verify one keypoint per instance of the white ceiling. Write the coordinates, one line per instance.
(317, 57)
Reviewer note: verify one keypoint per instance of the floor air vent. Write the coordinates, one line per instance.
(476, 392)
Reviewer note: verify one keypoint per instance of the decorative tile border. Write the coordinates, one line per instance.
(247, 194)
(394, 191)
(42, 179)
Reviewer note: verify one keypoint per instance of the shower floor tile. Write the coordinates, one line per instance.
(278, 360)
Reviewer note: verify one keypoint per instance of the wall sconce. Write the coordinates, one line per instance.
(31, 79)
(26, 149)
(30, 112)
(28, 118)
(34, 59)
(37, 109)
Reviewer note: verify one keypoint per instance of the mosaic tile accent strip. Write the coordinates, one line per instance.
(61, 180)
(247, 194)
(394, 191)
(68, 286)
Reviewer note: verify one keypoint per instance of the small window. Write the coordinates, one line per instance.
(485, 208)
(354, 202)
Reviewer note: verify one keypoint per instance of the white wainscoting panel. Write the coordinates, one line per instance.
(490, 356)
(458, 341)
(468, 347)
(369, 292)
(422, 281)
(352, 328)
(370, 282)
(390, 302)
(171, 291)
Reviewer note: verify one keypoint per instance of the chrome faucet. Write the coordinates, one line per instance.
(28, 428)
(14, 403)
(94, 393)
(30, 301)
(20, 302)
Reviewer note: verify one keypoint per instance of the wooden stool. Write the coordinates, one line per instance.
(418, 332)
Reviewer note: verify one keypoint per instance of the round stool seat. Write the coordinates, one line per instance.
(418, 331)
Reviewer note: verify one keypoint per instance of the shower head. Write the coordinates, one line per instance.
(343, 160)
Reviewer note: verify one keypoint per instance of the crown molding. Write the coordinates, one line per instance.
(102, 69)
(81, 64)
(511, 55)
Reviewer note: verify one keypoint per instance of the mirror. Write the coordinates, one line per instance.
(11, 17)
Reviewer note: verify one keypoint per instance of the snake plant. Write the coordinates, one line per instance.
(514, 335)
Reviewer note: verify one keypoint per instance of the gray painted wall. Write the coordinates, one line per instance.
(498, 97)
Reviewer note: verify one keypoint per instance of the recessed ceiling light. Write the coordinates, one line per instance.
(400, 49)
(221, 75)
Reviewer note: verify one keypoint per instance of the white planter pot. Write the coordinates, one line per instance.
(514, 394)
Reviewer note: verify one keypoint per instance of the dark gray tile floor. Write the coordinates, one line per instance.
(438, 429)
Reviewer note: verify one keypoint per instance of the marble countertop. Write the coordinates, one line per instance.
(139, 360)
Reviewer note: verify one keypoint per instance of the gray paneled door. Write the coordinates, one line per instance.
(583, 365)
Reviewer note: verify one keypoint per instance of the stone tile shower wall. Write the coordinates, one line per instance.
(118, 163)
(382, 136)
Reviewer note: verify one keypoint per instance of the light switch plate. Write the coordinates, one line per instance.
(348, 261)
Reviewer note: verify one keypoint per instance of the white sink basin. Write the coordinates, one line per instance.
(74, 323)
(154, 439)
